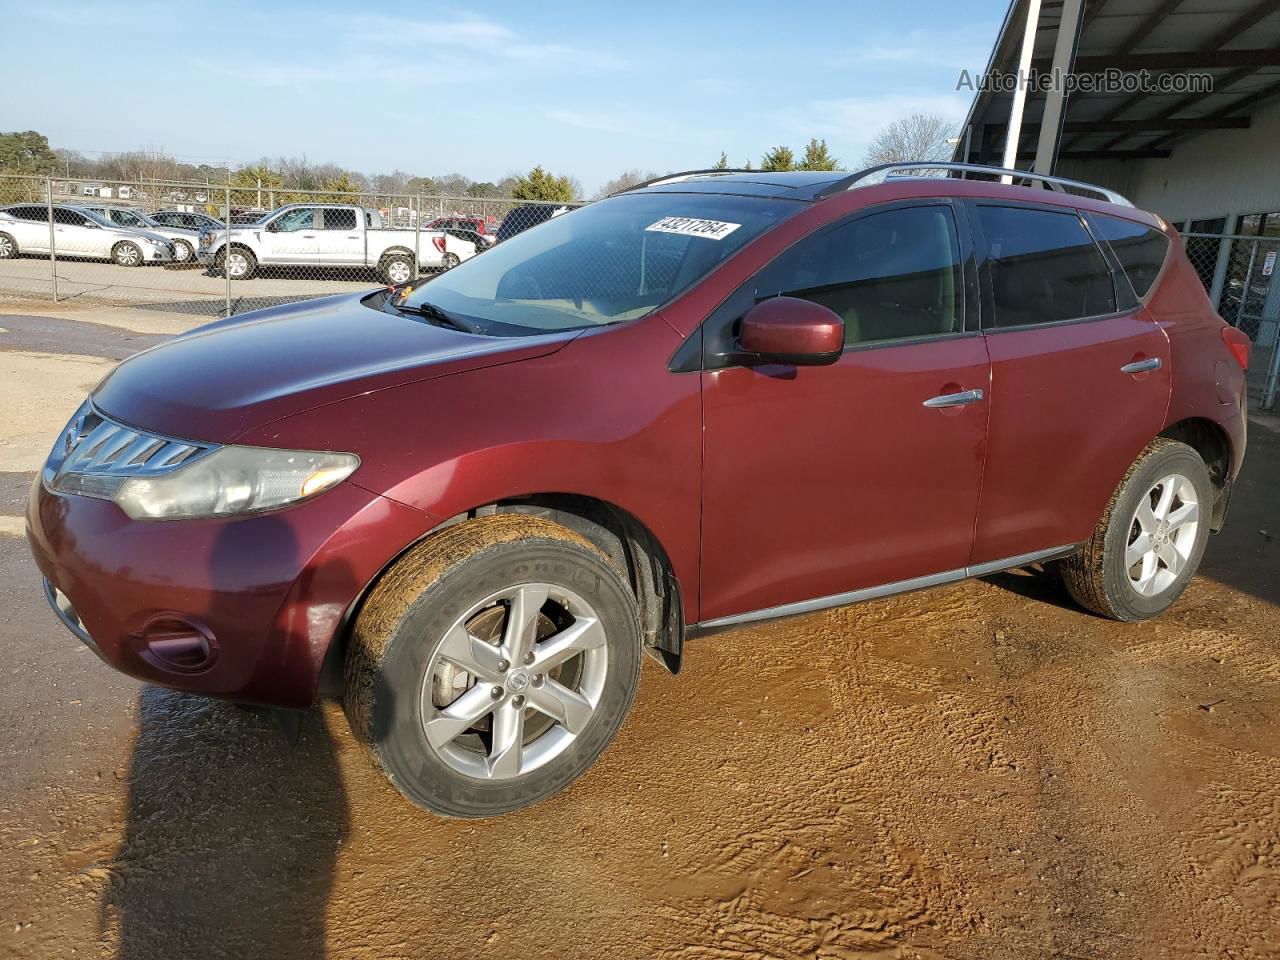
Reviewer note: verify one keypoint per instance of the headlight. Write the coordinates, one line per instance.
(234, 480)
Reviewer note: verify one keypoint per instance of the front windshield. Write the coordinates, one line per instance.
(609, 261)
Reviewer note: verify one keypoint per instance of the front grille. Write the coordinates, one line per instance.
(95, 455)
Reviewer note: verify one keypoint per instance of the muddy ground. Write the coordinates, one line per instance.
(982, 771)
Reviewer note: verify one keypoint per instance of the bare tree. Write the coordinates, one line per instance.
(918, 136)
(624, 180)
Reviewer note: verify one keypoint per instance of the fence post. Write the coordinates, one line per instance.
(53, 246)
(226, 249)
(417, 234)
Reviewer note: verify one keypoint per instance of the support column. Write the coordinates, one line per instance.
(1020, 95)
(1055, 107)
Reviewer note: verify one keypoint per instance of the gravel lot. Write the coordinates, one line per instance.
(982, 771)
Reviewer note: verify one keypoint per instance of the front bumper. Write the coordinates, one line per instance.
(243, 608)
(156, 253)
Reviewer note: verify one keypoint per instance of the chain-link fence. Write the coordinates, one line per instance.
(1237, 271)
(219, 249)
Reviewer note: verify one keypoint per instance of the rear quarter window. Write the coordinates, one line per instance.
(1141, 250)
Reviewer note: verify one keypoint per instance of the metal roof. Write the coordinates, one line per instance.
(1237, 42)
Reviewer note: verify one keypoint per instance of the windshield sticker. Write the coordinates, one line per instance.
(692, 227)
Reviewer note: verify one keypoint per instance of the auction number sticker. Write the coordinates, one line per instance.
(692, 227)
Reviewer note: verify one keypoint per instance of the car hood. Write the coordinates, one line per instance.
(230, 376)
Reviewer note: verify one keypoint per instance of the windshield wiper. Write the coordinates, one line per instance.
(440, 317)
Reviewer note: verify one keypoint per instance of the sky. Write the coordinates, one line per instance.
(588, 89)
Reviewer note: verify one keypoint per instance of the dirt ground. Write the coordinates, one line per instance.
(981, 771)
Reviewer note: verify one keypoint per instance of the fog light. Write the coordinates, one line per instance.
(173, 643)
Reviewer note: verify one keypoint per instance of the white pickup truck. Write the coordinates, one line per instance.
(329, 234)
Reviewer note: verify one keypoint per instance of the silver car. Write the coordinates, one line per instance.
(184, 240)
(78, 233)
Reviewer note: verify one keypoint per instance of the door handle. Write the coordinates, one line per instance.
(1142, 366)
(354, 237)
(954, 399)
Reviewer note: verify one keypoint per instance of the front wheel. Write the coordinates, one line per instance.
(182, 252)
(240, 263)
(127, 254)
(1150, 540)
(492, 665)
(8, 247)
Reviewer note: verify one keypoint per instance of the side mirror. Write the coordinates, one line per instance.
(792, 331)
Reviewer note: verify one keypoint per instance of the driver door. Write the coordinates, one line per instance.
(826, 480)
(292, 237)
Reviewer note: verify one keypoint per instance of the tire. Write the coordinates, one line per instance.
(449, 261)
(396, 268)
(8, 247)
(127, 254)
(182, 252)
(1165, 500)
(404, 665)
(243, 263)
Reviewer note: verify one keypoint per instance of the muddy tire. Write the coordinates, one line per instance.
(1150, 540)
(8, 247)
(492, 665)
(396, 268)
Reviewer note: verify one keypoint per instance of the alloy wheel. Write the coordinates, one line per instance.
(1162, 535)
(238, 264)
(514, 682)
(398, 271)
(127, 255)
(6, 248)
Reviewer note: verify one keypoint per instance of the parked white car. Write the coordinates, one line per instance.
(184, 240)
(24, 228)
(337, 235)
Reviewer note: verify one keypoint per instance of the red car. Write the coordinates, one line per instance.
(714, 399)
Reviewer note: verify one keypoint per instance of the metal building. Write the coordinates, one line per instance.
(1174, 103)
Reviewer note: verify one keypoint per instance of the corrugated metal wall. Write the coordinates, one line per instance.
(1217, 174)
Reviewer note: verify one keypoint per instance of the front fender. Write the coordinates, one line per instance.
(601, 418)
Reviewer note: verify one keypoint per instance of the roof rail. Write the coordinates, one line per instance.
(1057, 184)
(676, 177)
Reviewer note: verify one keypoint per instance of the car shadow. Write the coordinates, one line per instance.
(233, 826)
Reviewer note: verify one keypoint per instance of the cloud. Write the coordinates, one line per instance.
(963, 49)
(658, 127)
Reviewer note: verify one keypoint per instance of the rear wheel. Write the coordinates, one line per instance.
(1150, 540)
(8, 247)
(449, 261)
(492, 665)
(396, 268)
(127, 254)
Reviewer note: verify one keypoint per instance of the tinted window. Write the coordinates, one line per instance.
(1044, 267)
(31, 213)
(339, 219)
(69, 217)
(889, 275)
(1140, 250)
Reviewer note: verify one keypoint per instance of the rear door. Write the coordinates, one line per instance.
(32, 228)
(340, 239)
(75, 234)
(1079, 378)
(819, 481)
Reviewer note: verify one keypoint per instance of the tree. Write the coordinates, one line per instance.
(624, 180)
(919, 136)
(723, 162)
(26, 152)
(538, 184)
(817, 157)
(779, 158)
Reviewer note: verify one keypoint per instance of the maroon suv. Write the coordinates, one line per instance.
(711, 400)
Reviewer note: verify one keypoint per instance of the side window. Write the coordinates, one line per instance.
(301, 218)
(889, 275)
(69, 218)
(1045, 267)
(31, 213)
(1140, 250)
(339, 219)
